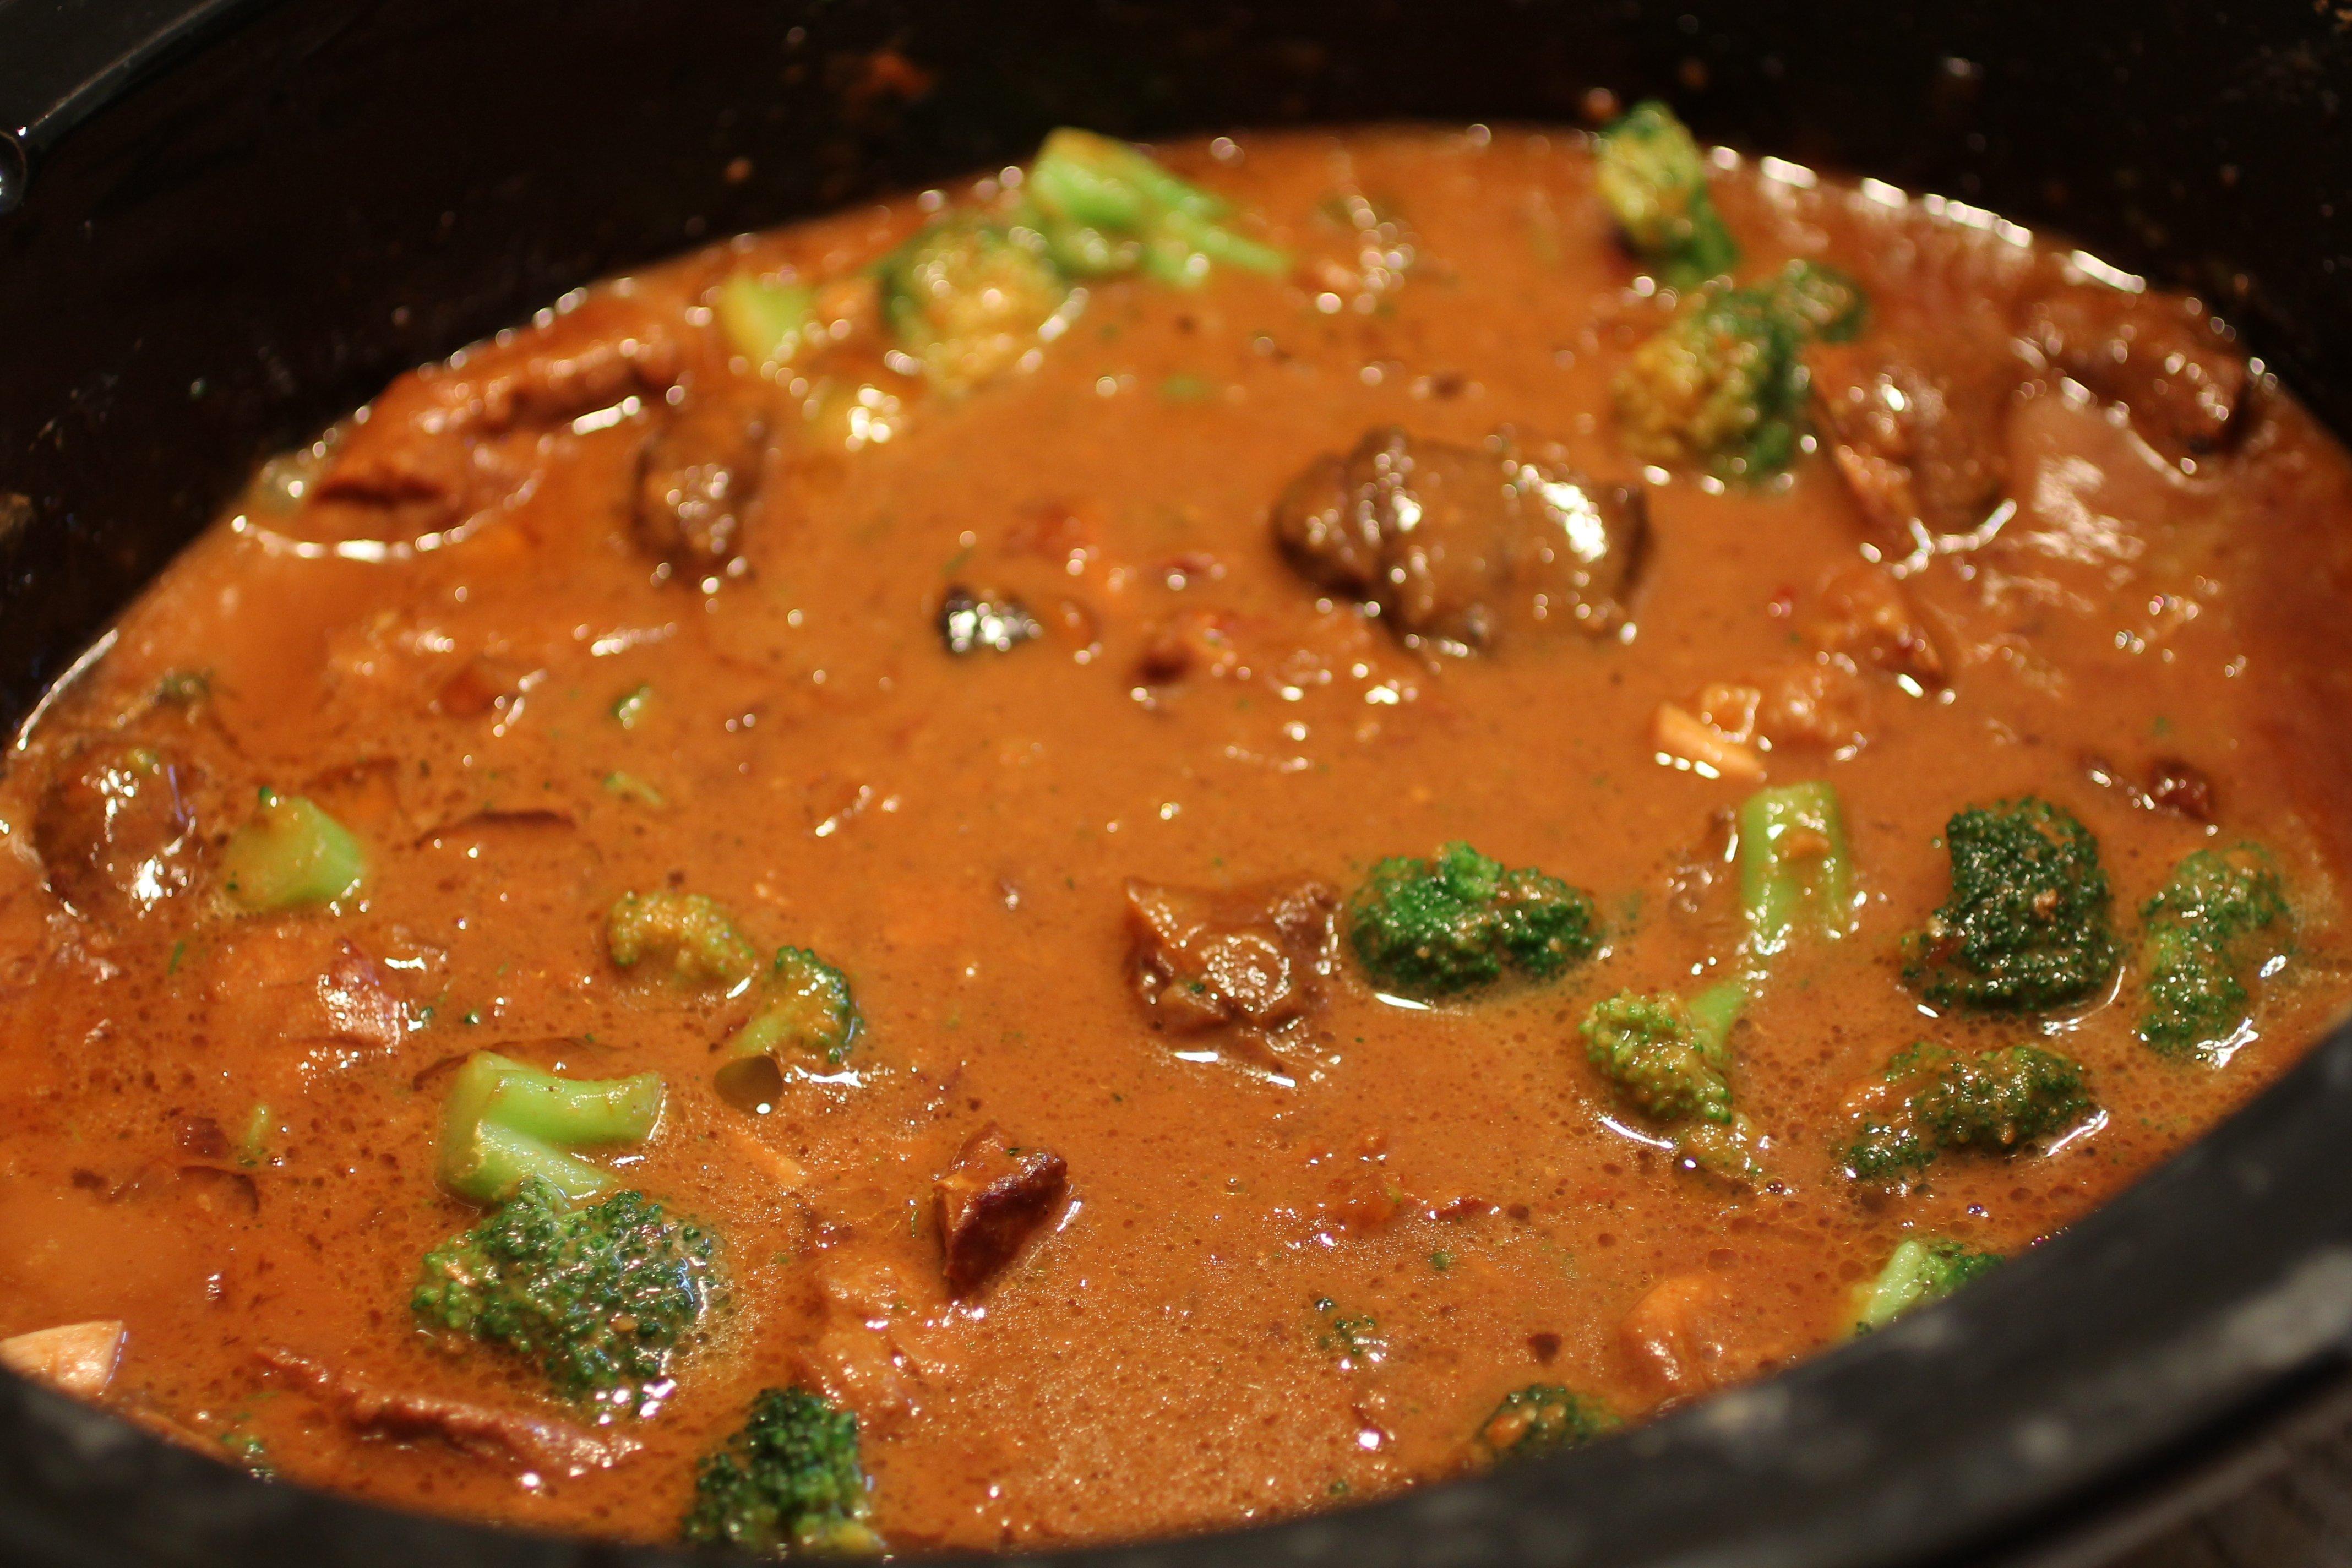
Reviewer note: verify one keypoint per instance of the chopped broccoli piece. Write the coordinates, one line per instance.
(1652, 176)
(599, 1299)
(765, 322)
(2218, 919)
(2027, 927)
(505, 1123)
(1996, 1100)
(629, 709)
(1669, 1058)
(1794, 866)
(630, 787)
(696, 937)
(1724, 385)
(291, 856)
(1541, 1418)
(1916, 1272)
(1429, 928)
(788, 1484)
(805, 1009)
(967, 297)
(1104, 208)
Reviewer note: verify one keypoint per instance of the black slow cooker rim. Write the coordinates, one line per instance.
(2207, 1303)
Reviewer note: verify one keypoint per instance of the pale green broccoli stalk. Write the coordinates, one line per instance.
(1922, 1270)
(805, 1010)
(789, 1484)
(1104, 208)
(291, 856)
(1542, 1418)
(1724, 386)
(1652, 176)
(599, 1299)
(969, 297)
(505, 1123)
(1458, 920)
(1997, 1102)
(1670, 1059)
(2027, 927)
(691, 937)
(1796, 870)
(2220, 920)
(766, 321)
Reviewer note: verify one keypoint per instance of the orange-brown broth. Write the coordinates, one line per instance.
(955, 836)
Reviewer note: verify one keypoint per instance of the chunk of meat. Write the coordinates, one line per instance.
(2177, 370)
(1253, 959)
(1866, 615)
(74, 1358)
(411, 453)
(311, 991)
(1919, 441)
(1692, 1333)
(698, 481)
(116, 827)
(507, 1437)
(2171, 784)
(991, 1200)
(877, 1349)
(1454, 543)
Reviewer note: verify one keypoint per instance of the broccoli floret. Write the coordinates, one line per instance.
(504, 1123)
(1457, 921)
(968, 296)
(2028, 926)
(1919, 1271)
(1724, 386)
(1105, 208)
(599, 1300)
(1668, 1058)
(1541, 1418)
(1652, 176)
(291, 856)
(688, 934)
(2219, 919)
(805, 1009)
(1795, 868)
(788, 1484)
(1938, 1099)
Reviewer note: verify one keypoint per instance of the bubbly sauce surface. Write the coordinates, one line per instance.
(1288, 1269)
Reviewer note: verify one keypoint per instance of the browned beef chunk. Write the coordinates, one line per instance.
(1917, 436)
(700, 479)
(1254, 959)
(116, 826)
(1866, 615)
(1454, 543)
(506, 1437)
(2163, 357)
(991, 1200)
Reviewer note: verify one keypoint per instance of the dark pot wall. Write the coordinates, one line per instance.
(285, 212)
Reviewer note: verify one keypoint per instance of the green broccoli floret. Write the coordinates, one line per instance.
(1457, 921)
(1540, 1418)
(1796, 872)
(789, 1484)
(692, 937)
(1652, 176)
(599, 1300)
(1724, 386)
(1104, 208)
(2028, 926)
(504, 1123)
(1919, 1271)
(968, 296)
(1938, 1099)
(1669, 1060)
(2221, 919)
(805, 1009)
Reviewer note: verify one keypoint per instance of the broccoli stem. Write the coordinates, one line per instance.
(1794, 866)
(765, 322)
(505, 1122)
(1715, 1010)
(1918, 1272)
(291, 856)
